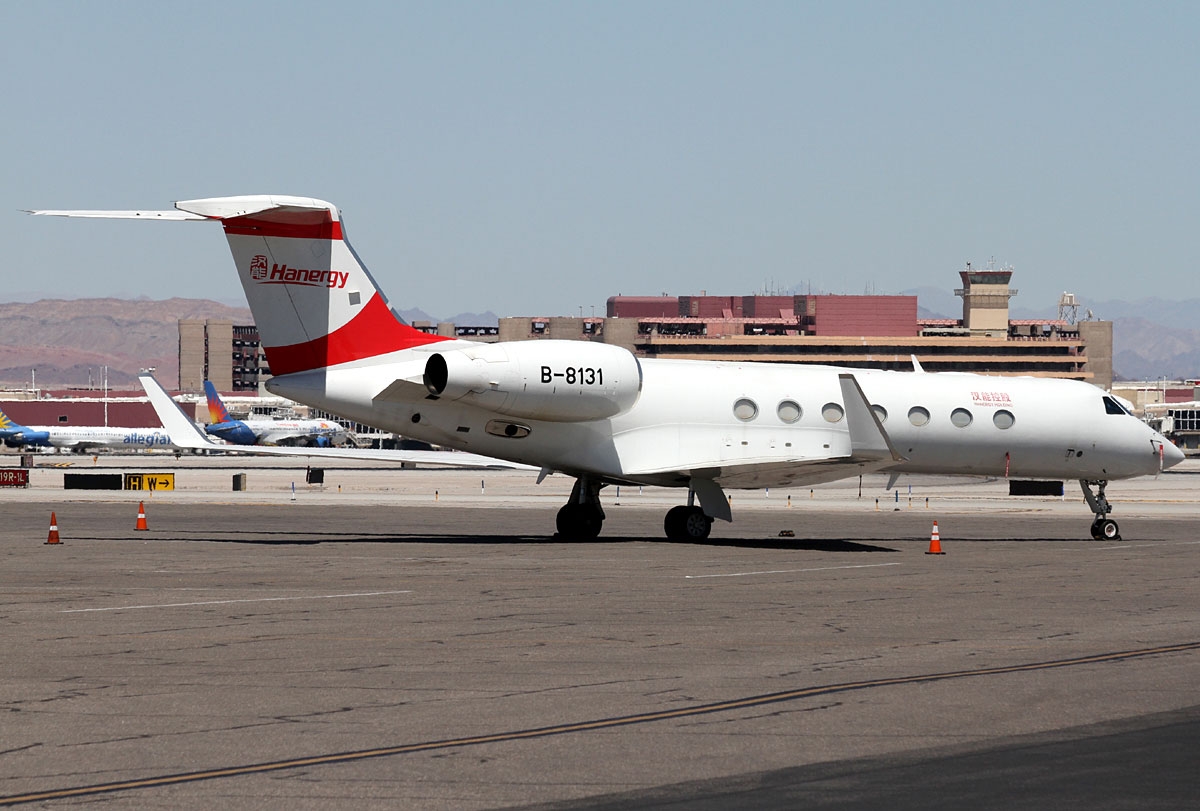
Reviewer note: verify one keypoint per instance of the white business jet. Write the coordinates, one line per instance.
(603, 416)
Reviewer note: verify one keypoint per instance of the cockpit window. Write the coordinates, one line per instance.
(1111, 406)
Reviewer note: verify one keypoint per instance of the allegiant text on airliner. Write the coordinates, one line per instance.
(146, 439)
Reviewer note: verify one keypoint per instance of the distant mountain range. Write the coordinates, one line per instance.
(68, 342)
(488, 319)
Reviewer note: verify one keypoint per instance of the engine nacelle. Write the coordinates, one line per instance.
(559, 381)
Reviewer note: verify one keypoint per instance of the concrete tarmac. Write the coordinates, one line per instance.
(418, 640)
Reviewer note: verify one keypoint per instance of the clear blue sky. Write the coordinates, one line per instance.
(535, 158)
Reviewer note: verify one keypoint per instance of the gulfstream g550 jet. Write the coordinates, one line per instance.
(603, 416)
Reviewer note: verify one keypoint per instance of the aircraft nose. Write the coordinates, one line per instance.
(1171, 455)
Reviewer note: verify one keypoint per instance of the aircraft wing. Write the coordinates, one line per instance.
(185, 434)
(749, 474)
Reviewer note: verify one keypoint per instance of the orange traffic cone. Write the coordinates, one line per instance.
(141, 522)
(935, 542)
(53, 536)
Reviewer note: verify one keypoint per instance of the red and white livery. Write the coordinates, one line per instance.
(603, 416)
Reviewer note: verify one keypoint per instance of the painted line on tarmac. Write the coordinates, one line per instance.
(789, 571)
(229, 602)
(1148, 544)
(748, 702)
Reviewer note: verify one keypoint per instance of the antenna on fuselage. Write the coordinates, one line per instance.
(916, 364)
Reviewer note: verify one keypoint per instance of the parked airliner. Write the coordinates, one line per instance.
(303, 433)
(82, 437)
(603, 416)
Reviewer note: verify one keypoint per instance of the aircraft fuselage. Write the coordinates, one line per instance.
(742, 424)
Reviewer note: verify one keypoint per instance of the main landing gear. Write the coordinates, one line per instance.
(582, 517)
(687, 523)
(1103, 528)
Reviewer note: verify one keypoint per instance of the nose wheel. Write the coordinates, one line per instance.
(1103, 528)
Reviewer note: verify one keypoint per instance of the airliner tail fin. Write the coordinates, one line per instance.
(314, 303)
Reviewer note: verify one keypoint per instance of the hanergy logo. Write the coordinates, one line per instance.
(282, 274)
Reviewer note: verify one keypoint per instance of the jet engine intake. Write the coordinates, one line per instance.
(559, 381)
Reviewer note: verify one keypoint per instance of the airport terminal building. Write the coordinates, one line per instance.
(856, 331)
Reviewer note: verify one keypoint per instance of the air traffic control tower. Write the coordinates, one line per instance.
(985, 295)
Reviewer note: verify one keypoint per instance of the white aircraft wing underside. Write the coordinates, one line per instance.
(403, 391)
(774, 472)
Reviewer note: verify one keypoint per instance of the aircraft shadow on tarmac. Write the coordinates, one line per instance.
(290, 538)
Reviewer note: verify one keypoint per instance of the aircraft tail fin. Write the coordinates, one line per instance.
(314, 302)
(217, 413)
(8, 427)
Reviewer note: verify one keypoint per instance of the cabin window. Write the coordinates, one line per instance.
(918, 416)
(1003, 419)
(961, 417)
(832, 412)
(745, 409)
(788, 411)
(880, 412)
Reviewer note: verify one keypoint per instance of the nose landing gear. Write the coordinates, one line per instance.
(1103, 528)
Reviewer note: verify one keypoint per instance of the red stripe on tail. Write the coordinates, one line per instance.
(297, 226)
(374, 331)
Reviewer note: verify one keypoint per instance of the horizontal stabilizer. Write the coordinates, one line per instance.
(226, 208)
(211, 208)
(120, 215)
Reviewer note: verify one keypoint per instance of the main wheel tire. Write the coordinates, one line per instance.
(1096, 530)
(687, 524)
(673, 523)
(1109, 531)
(581, 521)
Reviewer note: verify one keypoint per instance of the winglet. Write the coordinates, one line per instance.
(868, 440)
(183, 431)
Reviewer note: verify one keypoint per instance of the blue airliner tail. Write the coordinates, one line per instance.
(15, 435)
(216, 409)
(8, 427)
(221, 424)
